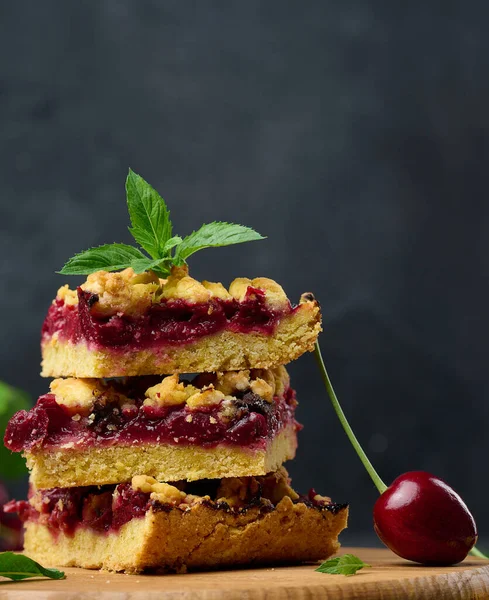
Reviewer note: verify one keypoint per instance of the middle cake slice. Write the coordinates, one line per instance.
(97, 432)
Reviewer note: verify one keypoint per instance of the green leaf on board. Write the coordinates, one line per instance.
(347, 564)
(18, 567)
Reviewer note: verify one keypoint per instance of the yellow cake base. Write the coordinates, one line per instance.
(68, 467)
(225, 351)
(200, 538)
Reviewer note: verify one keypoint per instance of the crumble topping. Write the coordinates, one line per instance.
(161, 492)
(124, 292)
(132, 294)
(229, 381)
(266, 383)
(209, 389)
(236, 492)
(239, 287)
(262, 388)
(321, 499)
(68, 296)
(83, 396)
(277, 485)
(78, 395)
(207, 397)
(169, 392)
(217, 290)
(180, 286)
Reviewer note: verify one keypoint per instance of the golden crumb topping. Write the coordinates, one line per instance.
(206, 389)
(208, 396)
(239, 287)
(232, 381)
(132, 294)
(274, 293)
(237, 491)
(322, 499)
(266, 383)
(210, 389)
(124, 292)
(78, 395)
(169, 392)
(276, 486)
(68, 296)
(217, 290)
(161, 492)
(180, 286)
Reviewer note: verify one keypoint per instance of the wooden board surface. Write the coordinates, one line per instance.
(390, 577)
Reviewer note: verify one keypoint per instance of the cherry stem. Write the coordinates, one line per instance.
(379, 484)
(478, 553)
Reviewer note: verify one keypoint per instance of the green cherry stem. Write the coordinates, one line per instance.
(478, 553)
(379, 484)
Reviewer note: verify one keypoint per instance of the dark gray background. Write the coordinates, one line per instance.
(353, 134)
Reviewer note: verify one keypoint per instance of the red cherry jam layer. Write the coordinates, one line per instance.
(171, 322)
(51, 425)
(106, 509)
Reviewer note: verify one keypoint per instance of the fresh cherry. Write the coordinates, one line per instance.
(421, 518)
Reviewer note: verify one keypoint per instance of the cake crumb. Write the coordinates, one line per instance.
(208, 396)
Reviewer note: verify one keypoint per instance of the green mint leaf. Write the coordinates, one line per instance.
(110, 257)
(17, 567)
(152, 230)
(150, 217)
(161, 266)
(171, 243)
(140, 265)
(212, 235)
(348, 564)
(11, 400)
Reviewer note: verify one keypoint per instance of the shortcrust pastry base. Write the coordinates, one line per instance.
(69, 467)
(224, 351)
(200, 538)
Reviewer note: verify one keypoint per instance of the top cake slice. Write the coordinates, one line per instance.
(123, 324)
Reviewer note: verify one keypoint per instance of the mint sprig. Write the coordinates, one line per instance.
(213, 235)
(152, 229)
(348, 564)
(109, 257)
(150, 217)
(18, 567)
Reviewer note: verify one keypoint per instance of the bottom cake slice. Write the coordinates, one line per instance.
(206, 524)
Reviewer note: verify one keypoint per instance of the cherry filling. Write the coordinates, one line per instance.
(108, 508)
(171, 322)
(50, 425)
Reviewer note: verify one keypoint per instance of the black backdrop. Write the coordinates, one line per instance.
(353, 134)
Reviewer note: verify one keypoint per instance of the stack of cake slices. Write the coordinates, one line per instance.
(162, 441)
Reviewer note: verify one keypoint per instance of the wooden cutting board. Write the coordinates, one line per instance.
(389, 578)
